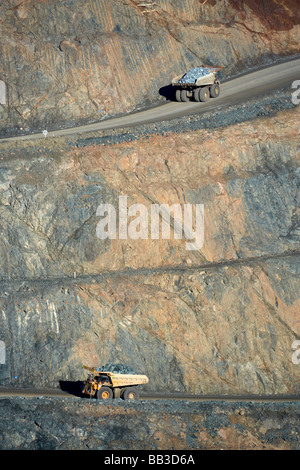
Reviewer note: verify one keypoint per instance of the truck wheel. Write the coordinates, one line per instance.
(215, 91)
(183, 95)
(178, 95)
(204, 94)
(196, 94)
(130, 394)
(105, 393)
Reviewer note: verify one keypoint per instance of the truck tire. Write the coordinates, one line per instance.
(178, 95)
(204, 94)
(183, 95)
(196, 94)
(105, 393)
(215, 90)
(130, 393)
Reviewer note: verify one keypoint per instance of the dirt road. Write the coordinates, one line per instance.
(23, 392)
(233, 91)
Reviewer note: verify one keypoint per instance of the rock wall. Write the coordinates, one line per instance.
(221, 319)
(70, 424)
(79, 61)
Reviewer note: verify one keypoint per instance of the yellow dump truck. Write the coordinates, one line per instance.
(105, 385)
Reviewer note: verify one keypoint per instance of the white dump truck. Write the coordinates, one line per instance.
(198, 84)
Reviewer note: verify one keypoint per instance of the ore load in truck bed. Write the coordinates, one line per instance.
(193, 74)
(198, 84)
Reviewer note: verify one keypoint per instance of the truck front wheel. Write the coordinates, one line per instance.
(214, 91)
(130, 393)
(105, 393)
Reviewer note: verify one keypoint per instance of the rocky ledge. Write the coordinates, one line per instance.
(75, 423)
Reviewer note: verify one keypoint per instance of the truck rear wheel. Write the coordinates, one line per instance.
(196, 94)
(105, 393)
(183, 95)
(214, 91)
(130, 393)
(204, 94)
(178, 95)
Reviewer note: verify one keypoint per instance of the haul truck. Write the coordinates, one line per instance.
(202, 89)
(105, 385)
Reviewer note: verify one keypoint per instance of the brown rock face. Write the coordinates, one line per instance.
(79, 60)
(274, 16)
(220, 319)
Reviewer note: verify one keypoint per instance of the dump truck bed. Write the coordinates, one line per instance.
(208, 79)
(120, 380)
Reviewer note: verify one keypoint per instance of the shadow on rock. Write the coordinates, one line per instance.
(73, 388)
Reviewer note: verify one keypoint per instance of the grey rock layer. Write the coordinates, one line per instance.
(78, 424)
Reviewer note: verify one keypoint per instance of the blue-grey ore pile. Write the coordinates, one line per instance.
(117, 369)
(193, 74)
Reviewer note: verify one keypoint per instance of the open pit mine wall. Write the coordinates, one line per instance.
(225, 322)
(80, 60)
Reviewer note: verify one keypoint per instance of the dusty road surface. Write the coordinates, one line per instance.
(233, 91)
(28, 392)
